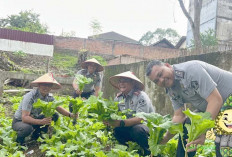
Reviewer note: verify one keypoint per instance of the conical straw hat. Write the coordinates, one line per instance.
(46, 78)
(84, 65)
(114, 79)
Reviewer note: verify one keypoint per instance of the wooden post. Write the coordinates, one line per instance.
(1, 86)
(48, 64)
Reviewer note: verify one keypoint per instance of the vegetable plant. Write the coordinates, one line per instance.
(48, 108)
(158, 126)
(82, 81)
(200, 123)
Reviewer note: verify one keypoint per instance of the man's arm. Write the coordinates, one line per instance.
(214, 103)
(64, 112)
(128, 122)
(26, 118)
(97, 90)
(179, 117)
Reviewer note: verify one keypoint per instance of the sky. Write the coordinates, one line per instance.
(131, 18)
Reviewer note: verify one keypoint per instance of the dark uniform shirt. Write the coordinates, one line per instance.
(195, 81)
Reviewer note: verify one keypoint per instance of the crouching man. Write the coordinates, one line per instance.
(135, 99)
(29, 120)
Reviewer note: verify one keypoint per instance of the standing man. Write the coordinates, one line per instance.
(29, 120)
(91, 69)
(135, 99)
(203, 85)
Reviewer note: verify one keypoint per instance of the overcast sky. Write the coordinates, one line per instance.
(131, 18)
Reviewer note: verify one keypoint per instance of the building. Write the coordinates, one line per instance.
(215, 15)
(113, 36)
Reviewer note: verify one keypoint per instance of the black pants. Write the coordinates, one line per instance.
(83, 95)
(138, 133)
(24, 129)
(180, 149)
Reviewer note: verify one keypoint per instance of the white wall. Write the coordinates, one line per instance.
(29, 48)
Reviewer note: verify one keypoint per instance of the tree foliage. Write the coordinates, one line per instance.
(96, 27)
(68, 34)
(27, 21)
(152, 37)
(208, 39)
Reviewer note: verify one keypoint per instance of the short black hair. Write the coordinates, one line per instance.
(151, 64)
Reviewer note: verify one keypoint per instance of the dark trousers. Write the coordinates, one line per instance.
(217, 148)
(138, 133)
(24, 129)
(180, 149)
(85, 95)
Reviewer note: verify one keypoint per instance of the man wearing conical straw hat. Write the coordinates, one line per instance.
(90, 69)
(28, 119)
(131, 91)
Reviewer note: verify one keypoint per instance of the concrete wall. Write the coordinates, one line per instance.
(27, 47)
(224, 20)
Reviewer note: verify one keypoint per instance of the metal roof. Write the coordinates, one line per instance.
(26, 36)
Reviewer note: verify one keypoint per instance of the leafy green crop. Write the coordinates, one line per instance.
(158, 126)
(104, 108)
(200, 123)
(82, 81)
(48, 108)
(77, 103)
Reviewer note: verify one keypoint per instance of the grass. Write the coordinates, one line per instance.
(63, 61)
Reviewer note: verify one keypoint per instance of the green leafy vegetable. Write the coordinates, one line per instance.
(82, 81)
(158, 126)
(200, 123)
(48, 108)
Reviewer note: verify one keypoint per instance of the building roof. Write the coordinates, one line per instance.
(163, 43)
(113, 36)
(17, 35)
(180, 42)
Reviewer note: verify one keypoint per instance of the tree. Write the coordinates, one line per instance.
(96, 27)
(68, 34)
(152, 37)
(208, 39)
(195, 24)
(27, 21)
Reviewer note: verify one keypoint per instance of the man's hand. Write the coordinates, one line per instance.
(113, 123)
(74, 115)
(78, 92)
(46, 121)
(193, 145)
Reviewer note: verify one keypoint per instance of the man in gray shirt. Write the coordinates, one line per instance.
(91, 69)
(203, 85)
(135, 99)
(29, 120)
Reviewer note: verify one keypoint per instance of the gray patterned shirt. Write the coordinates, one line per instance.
(27, 103)
(137, 101)
(195, 81)
(95, 77)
